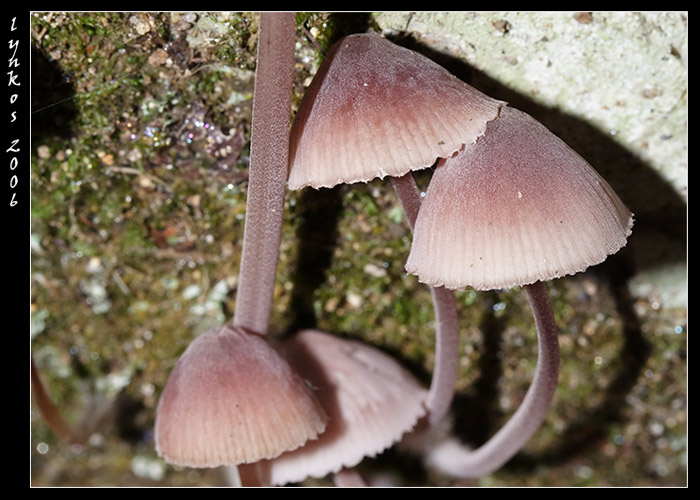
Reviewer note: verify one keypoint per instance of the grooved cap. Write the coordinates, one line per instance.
(370, 399)
(516, 207)
(233, 399)
(375, 109)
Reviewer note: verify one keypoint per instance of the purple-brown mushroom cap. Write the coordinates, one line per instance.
(233, 399)
(516, 207)
(371, 401)
(375, 109)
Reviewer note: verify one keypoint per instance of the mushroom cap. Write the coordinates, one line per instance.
(375, 109)
(370, 398)
(516, 207)
(233, 399)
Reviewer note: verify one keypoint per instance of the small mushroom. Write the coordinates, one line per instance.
(517, 207)
(233, 399)
(375, 109)
(370, 398)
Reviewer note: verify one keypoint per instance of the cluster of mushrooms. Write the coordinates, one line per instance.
(509, 204)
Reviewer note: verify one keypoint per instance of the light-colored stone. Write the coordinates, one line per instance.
(625, 74)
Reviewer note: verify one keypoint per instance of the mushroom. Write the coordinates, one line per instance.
(231, 398)
(518, 207)
(370, 398)
(375, 109)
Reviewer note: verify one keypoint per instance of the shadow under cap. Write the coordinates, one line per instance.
(516, 207)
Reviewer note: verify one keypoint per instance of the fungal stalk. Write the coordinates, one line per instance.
(269, 150)
(445, 372)
(450, 456)
(230, 390)
(516, 208)
(375, 109)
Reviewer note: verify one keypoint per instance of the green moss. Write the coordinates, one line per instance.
(126, 207)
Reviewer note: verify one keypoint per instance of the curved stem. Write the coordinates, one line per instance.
(442, 385)
(272, 98)
(445, 373)
(456, 460)
(48, 409)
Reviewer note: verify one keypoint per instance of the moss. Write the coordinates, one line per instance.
(129, 212)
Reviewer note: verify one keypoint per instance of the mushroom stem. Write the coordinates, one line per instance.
(348, 478)
(442, 385)
(456, 460)
(272, 98)
(49, 411)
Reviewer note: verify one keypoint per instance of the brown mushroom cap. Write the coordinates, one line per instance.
(371, 402)
(375, 109)
(516, 207)
(233, 399)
